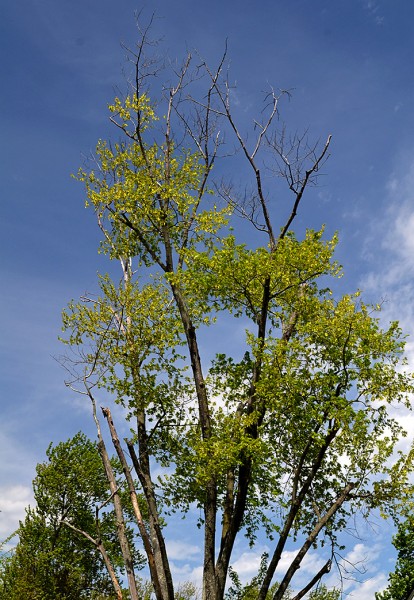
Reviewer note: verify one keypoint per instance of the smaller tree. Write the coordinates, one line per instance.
(401, 582)
(250, 591)
(5, 558)
(187, 591)
(67, 545)
(323, 593)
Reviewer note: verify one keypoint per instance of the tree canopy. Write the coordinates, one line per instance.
(290, 434)
(401, 581)
(64, 539)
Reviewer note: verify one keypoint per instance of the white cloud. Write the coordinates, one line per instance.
(16, 474)
(185, 573)
(366, 591)
(361, 554)
(181, 550)
(310, 564)
(13, 501)
(361, 574)
(247, 565)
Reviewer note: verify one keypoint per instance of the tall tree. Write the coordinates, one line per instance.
(290, 435)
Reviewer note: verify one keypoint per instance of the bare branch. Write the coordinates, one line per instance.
(299, 193)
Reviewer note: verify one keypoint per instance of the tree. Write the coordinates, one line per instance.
(291, 434)
(66, 548)
(401, 582)
(5, 558)
(322, 593)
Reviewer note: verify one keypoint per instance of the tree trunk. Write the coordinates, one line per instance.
(159, 592)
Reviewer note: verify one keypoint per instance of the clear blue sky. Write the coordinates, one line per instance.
(349, 64)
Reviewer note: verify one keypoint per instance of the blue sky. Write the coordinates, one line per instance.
(349, 66)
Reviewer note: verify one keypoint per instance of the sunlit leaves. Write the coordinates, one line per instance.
(301, 411)
(143, 188)
(401, 581)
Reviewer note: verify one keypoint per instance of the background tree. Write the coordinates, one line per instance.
(322, 593)
(67, 546)
(6, 553)
(401, 581)
(290, 434)
(250, 591)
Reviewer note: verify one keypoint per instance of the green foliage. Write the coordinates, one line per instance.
(401, 581)
(52, 561)
(292, 434)
(187, 591)
(51, 565)
(322, 593)
(6, 555)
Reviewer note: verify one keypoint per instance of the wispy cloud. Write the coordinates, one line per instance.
(373, 9)
(392, 236)
(360, 574)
